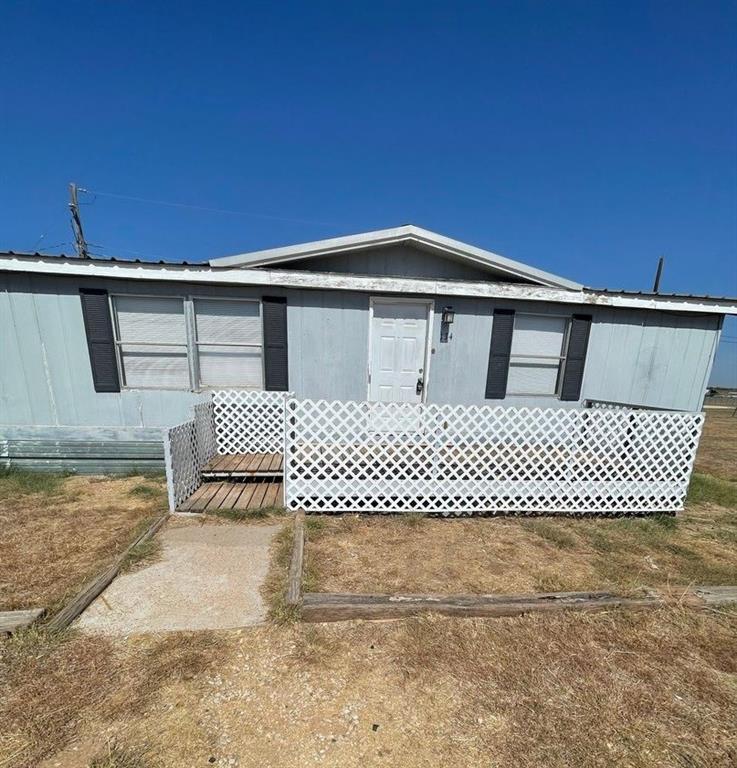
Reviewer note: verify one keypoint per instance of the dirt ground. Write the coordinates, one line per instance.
(59, 532)
(640, 689)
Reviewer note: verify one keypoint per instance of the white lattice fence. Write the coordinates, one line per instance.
(391, 457)
(249, 422)
(188, 447)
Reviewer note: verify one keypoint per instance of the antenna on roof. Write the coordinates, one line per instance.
(79, 240)
(658, 273)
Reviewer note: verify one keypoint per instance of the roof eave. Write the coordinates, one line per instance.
(367, 284)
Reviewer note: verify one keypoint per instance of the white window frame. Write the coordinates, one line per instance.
(120, 343)
(196, 342)
(560, 358)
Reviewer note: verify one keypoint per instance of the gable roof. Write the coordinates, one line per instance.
(420, 238)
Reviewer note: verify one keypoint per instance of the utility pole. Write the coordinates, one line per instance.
(79, 240)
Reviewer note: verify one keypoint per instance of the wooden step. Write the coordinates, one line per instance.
(244, 465)
(254, 494)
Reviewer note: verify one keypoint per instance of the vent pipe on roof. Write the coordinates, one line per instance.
(658, 273)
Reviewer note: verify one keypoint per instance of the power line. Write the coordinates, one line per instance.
(189, 206)
(99, 250)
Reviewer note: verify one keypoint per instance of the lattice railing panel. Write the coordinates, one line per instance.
(189, 447)
(392, 457)
(249, 422)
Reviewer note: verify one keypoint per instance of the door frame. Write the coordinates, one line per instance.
(430, 305)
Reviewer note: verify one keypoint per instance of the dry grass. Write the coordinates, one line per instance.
(247, 515)
(60, 531)
(52, 685)
(498, 555)
(115, 755)
(275, 585)
(644, 689)
(718, 450)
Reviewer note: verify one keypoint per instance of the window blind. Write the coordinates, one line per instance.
(536, 354)
(229, 343)
(152, 342)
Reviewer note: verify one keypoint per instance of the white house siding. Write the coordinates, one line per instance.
(635, 356)
(659, 359)
(640, 357)
(394, 261)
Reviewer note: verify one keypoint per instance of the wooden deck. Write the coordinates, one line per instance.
(256, 494)
(245, 465)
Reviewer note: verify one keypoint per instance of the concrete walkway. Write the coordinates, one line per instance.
(209, 577)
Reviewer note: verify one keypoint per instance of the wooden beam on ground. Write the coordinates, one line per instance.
(716, 596)
(63, 618)
(12, 621)
(294, 580)
(318, 606)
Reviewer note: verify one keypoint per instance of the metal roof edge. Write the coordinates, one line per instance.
(199, 273)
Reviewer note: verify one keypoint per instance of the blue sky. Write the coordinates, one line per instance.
(586, 138)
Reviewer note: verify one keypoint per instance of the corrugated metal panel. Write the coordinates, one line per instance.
(84, 456)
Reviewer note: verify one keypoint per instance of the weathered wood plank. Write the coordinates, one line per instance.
(12, 621)
(203, 498)
(219, 496)
(265, 463)
(244, 499)
(255, 462)
(244, 459)
(270, 495)
(319, 607)
(193, 499)
(258, 496)
(63, 618)
(294, 579)
(231, 500)
(216, 464)
(716, 595)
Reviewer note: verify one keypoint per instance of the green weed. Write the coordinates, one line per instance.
(705, 489)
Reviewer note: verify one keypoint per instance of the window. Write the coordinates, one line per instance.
(229, 343)
(537, 354)
(157, 348)
(151, 340)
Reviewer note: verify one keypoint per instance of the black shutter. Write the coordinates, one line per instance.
(578, 342)
(501, 345)
(276, 362)
(100, 340)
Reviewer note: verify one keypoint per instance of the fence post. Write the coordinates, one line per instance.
(169, 471)
(285, 450)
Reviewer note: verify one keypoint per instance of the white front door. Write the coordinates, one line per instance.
(398, 353)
